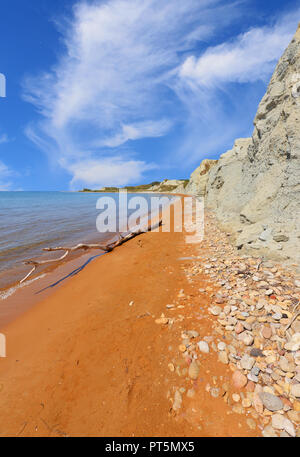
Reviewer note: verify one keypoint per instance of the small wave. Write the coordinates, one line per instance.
(12, 290)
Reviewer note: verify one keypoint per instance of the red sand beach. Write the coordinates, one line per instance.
(86, 361)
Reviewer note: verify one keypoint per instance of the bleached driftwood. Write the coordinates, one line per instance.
(122, 238)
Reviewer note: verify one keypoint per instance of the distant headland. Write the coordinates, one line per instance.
(167, 185)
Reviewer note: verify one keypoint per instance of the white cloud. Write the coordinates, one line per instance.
(107, 172)
(113, 81)
(148, 129)
(250, 57)
(5, 174)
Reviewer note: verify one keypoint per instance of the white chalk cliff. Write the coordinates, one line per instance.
(254, 189)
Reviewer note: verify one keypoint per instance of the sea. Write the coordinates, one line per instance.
(31, 221)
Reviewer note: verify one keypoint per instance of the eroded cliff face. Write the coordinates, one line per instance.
(198, 181)
(254, 188)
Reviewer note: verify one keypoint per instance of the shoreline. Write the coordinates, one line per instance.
(10, 277)
(19, 298)
(16, 298)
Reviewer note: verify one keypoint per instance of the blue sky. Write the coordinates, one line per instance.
(123, 92)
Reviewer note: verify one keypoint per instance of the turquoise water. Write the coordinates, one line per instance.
(30, 221)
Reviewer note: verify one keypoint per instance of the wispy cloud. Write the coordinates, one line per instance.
(5, 175)
(116, 170)
(147, 129)
(249, 57)
(135, 69)
(113, 82)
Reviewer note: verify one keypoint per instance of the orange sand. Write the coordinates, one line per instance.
(82, 362)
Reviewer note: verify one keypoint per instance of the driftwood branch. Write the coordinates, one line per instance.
(122, 238)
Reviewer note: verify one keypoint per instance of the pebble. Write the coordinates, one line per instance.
(269, 292)
(279, 421)
(250, 386)
(215, 310)
(214, 392)
(271, 359)
(247, 362)
(246, 402)
(269, 432)
(257, 403)
(162, 320)
(182, 348)
(294, 343)
(203, 346)
(239, 328)
(227, 309)
(296, 406)
(221, 346)
(239, 380)
(294, 416)
(261, 304)
(266, 332)
(194, 370)
(255, 371)
(236, 397)
(252, 377)
(286, 365)
(223, 358)
(247, 339)
(255, 352)
(295, 390)
(270, 401)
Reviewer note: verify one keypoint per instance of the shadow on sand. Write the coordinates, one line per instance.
(73, 273)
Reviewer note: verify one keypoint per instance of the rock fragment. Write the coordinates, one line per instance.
(239, 380)
(271, 402)
(194, 370)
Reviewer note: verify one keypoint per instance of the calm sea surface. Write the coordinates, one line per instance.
(30, 221)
